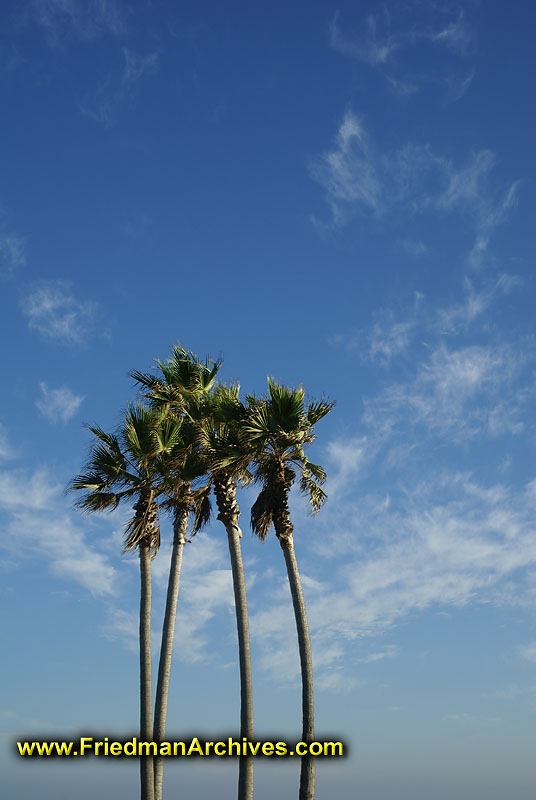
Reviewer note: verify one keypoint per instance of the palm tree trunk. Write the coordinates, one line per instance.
(146, 694)
(245, 767)
(229, 514)
(180, 523)
(307, 774)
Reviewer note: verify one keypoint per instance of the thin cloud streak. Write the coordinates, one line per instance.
(116, 93)
(64, 21)
(413, 180)
(445, 544)
(12, 254)
(382, 41)
(6, 449)
(58, 405)
(38, 526)
(52, 310)
(437, 538)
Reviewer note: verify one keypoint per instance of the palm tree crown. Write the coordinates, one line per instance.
(279, 428)
(132, 464)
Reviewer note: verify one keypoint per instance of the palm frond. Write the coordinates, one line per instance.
(286, 405)
(143, 528)
(195, 466)
(146, 379)
(109, 439)
(169, 434)
(202, 508)
(318, 472)
(258, 425)
(246, 478)
(314, 492)
(318, 409)
(262, 513)
(99, 501)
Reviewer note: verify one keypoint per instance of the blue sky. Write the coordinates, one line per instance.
(334, 195)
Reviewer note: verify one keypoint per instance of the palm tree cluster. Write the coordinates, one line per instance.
(192, 437)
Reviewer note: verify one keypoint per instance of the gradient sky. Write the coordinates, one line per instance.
(334, 195)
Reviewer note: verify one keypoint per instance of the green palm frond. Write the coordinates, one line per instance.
(279, 429)
(318, 472)
(106, 464)
(99, 501)
(314, 492)
(202, 508)
(258, 425)
(146, 379)
(195, 466)
(109, 439)
(262, 513)
(246, 478)
(138, 433)
(141, 531)
(318, 409)
(286, 405)
(169, 434)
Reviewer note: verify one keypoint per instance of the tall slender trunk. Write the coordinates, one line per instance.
(245, 766)
(285, 533)
(146, 695)
(307, 773)
(180, 523)
(225, 490)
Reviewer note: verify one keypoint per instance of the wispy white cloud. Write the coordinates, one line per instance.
(460, 316)
(435, 538)
(456, 392)
(349, 172)
(489, 216)
(472, 718)
(372, 44)
(414, 247)
(382, 40)
(429, 551)
(511, 691)
(454, 377)
(12, 253)
(137, 65)
(67, 20)
(349, 457)
(58, 405)
(123, 626)
(212, 592)
(389, 651)
(52, 310)
(413, 180)
(38, 525)
(205, 592)
(395, 334)
(6, 449)
(441, 544)
(336, 680)
(528, 652)
(391, 341)
(35, 493)
(387, 338)
(117, 92)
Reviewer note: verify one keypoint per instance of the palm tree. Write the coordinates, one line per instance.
(131, 465)
(182, 499)
(228, 460)
(178, 391)
(279, 428)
